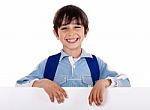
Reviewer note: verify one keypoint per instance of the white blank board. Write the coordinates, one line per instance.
(15, 98)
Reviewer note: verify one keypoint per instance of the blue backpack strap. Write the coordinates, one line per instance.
(51, 66)
(94, 68)
(52, 63)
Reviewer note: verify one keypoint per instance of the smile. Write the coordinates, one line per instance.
(72, 40)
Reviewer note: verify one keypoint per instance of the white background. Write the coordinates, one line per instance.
(119, 34)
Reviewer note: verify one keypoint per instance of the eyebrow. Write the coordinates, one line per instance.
(70, 23)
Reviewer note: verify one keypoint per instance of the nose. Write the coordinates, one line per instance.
(70, 32)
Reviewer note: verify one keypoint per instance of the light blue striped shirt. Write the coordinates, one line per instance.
(75, 73)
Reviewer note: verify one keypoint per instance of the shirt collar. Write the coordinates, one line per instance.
(83, 54)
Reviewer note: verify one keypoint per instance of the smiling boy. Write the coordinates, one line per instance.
(73, 66)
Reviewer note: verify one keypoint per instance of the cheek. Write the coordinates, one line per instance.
(60, 35)
(82, 33)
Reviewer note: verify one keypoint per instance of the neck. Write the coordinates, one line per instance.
(74, 53)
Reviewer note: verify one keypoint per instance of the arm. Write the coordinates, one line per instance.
(36, 79)
(52, 89)
(37, 74)
(107, 78)
(118, 80)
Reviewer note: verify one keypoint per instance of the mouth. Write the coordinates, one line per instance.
(72, 40)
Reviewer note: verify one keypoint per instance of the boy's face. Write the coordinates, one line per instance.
(71, 35)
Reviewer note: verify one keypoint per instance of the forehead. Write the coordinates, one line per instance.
(73, 21)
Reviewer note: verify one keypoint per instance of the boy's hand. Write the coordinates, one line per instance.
(98, 90)
(52, 89)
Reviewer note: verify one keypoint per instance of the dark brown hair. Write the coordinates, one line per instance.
(68, 13)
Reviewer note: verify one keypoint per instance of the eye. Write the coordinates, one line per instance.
(77, 27)
(63, 28)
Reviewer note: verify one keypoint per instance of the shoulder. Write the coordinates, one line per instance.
(44, 61)
(53, 55)
(97, 57)
(99, 60)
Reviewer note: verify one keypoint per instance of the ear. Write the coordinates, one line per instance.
(86, 31)
(56, 34)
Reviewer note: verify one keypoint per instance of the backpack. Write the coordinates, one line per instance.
(52, 63)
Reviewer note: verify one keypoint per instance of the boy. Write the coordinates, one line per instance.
(73, 68)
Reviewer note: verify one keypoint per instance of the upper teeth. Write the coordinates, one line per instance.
(72, 40)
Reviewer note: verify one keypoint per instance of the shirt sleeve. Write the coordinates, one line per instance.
(118, 79)
(37, 74)
(27, 84)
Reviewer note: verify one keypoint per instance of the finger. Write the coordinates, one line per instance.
(98, 98)
(59, 97)
(95, 98)
(64, 93)
(90, 98)
(101, 95)
(51, 96)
